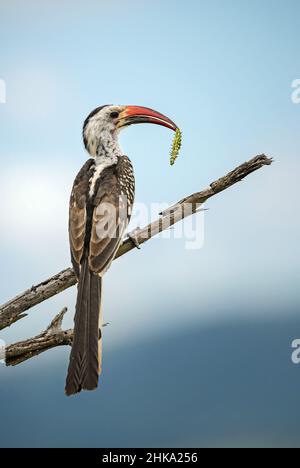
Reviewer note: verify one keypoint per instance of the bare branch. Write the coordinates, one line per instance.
(14, 310)
(52, 337)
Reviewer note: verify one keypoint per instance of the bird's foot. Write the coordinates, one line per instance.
(133, 236)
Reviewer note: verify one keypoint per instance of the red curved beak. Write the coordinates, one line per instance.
(136, 114)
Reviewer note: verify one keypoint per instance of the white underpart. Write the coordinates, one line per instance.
(101, 164)
(104, 147)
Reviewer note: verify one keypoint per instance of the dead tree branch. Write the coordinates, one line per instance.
(51, 338)
(14, 310)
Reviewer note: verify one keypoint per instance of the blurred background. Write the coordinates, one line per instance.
(198, 350)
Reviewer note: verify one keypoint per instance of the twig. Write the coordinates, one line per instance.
(14, 310)
(52, 337)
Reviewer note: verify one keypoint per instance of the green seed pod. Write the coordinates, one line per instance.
(175, 146)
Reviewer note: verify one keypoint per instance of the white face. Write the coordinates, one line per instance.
(101, 126)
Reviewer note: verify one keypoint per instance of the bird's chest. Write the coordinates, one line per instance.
(96, 172)
(108, 179)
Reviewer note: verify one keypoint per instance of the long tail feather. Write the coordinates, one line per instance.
(85, 359)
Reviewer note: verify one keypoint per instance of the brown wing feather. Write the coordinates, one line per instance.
(78, 215)
(110, 217)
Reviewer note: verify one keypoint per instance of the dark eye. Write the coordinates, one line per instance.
(114, 114)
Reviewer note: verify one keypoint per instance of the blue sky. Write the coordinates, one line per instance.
(223, 71)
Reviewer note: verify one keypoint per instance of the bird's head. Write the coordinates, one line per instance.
(104, 123)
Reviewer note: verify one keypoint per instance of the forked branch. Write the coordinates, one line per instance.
(15, 309)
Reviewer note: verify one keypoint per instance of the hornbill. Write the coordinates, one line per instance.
(100, 209)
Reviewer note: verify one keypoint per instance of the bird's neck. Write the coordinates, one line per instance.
(108, 150)
(105, 155)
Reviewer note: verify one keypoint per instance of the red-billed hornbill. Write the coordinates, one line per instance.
(100, 209)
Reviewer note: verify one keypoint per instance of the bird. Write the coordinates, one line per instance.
(100, 208)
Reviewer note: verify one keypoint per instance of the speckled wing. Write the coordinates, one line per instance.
(111, 214)
(78, 215)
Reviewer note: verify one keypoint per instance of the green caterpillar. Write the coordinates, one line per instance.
(175, 146)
